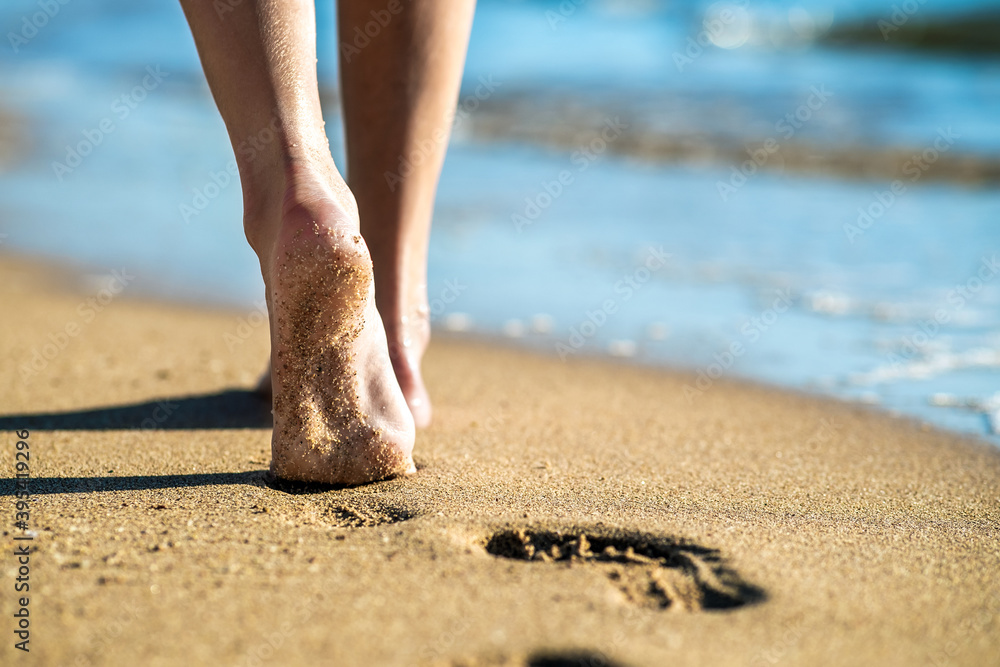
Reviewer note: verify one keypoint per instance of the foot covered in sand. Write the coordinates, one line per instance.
(408, 338)
(339, 415)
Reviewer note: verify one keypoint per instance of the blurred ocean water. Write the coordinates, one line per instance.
(710, 186)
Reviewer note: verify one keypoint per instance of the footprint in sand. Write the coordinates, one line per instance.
(571, 658)
(652, 572)
(363, 517)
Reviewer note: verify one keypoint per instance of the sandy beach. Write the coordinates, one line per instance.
(562, 513)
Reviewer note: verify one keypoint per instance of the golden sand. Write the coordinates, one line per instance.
(580, 511)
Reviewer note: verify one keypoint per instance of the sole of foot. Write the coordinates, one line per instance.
(339, 415)
(406, 366)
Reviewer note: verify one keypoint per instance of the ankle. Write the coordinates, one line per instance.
(291, 185)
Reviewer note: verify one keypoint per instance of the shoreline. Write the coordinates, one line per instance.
(690, 375)
(560, 511)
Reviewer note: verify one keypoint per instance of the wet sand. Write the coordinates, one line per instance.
(580, 511)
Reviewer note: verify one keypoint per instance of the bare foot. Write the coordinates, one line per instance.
(408, 336)
(339, 415)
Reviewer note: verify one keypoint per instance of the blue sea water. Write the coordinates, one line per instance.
(770, 282)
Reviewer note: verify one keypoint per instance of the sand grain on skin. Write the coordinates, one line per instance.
(320, 295)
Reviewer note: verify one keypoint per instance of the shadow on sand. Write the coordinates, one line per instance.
(232, 409)
(51, 485)
(236, 408)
